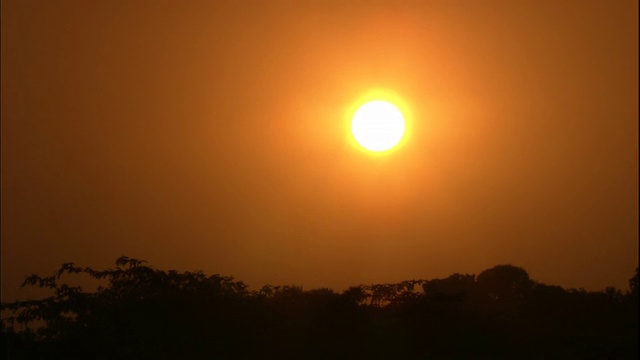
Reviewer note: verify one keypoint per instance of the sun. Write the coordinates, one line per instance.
(378, 125)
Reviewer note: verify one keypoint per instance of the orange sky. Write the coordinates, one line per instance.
(211, 135)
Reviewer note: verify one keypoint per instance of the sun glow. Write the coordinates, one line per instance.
(378, 125)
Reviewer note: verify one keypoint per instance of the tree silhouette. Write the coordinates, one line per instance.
(146, 313)
(504, 282)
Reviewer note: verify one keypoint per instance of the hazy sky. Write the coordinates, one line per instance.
(213, 135)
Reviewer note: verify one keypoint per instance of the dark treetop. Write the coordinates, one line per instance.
(145, 313)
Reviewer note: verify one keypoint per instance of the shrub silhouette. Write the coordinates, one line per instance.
(146, 313)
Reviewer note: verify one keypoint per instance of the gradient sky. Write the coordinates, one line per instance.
(212, 135)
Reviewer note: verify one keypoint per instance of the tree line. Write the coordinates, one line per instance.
(147, 313)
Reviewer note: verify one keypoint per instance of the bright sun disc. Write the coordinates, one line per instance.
(377, 125)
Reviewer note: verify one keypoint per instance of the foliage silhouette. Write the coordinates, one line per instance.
(145, 313)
